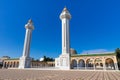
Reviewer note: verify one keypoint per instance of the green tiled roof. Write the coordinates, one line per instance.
(106, 54)
(13, 59)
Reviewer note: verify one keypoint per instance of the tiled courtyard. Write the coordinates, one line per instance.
(15, 74)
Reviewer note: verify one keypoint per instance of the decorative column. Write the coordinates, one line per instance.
(94, 66)
(25, 60)
(78, 63)
(12, 64)
(104, 65)
(63, 62)
(115, 63)
(16, 65)
(9, 65)
(3, 65)
(85, 63)
(94, 63)
(116, 66)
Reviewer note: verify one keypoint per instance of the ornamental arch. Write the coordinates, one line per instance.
(89, 63)
(74, 63)
(81, 63)
(109, 64)
(98, 62)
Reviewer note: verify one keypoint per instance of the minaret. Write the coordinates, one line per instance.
(63, 62)
(25, 60)
(65, 17)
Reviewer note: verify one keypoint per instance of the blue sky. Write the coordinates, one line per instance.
(95, 25)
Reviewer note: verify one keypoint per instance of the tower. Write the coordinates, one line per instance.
(25, 60)
(63, 62)
(65, 17)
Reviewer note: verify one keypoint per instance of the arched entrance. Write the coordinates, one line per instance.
(81, 64)
(17, 64)
(5, 65)
(98, 64)
(74, 64)
(8, 64)
(89, 64)
(13, 64)
(109, 64)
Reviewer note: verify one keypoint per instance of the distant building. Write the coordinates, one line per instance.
(5, 57)
(2, 59)
(14, 63)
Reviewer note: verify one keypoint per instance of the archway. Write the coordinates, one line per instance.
(5, 65)
(109, 64)
(98, 63)
(14, 64)
(81, 64)
(8, 64)
(89, 63)
(11, 64)
(17, 64)
(74, 64)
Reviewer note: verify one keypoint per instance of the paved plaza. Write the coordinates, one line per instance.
(16, 74)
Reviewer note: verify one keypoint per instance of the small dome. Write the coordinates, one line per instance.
(73, 51)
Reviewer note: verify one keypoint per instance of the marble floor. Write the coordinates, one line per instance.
(17, 74)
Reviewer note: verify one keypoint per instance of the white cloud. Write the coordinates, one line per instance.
(96, 51)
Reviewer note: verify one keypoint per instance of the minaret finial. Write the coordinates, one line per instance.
(30, 21)
(65, 14)
(29, 24)
(65, 9)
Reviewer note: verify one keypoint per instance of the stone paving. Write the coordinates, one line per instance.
(16, 74)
